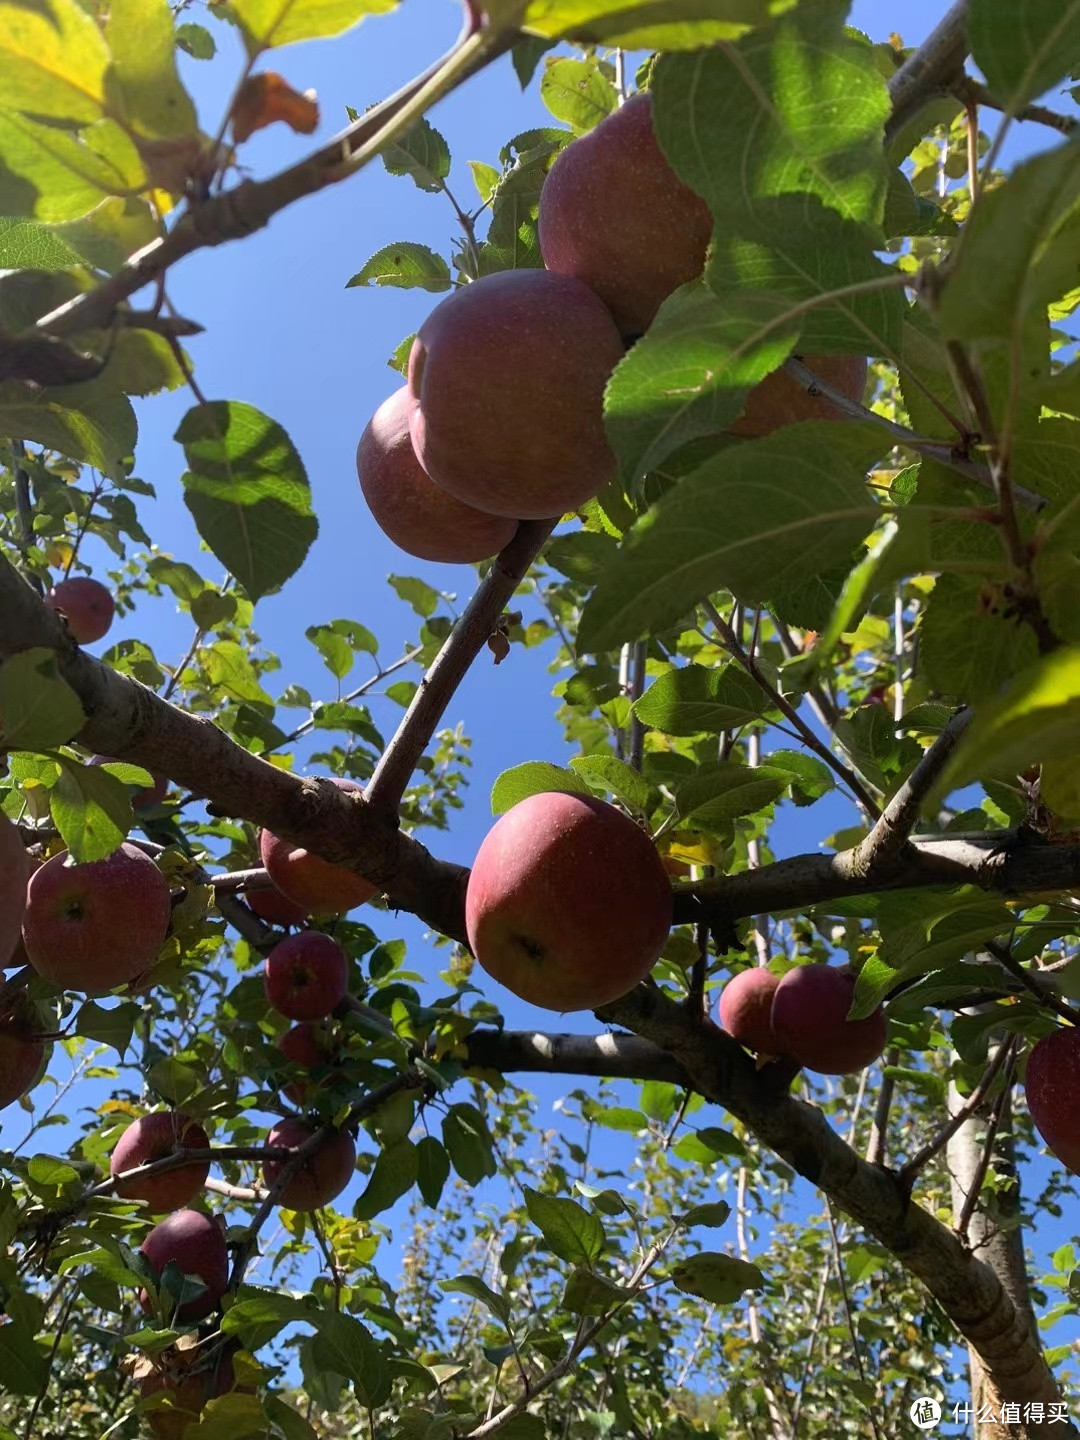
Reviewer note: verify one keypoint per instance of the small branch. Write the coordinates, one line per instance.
(608, 1056)
(635, 690)
(734, 646)
(894, 825)
(363, 689)
(845, 1298)
(968, 89)
(1045, 996)
(24, 505)
(243, 1193)
(250, 206)
(930, 70)
(937, 450)
(971, 1200)
(879, 1128)
(922, 1158)
(468, 637)
(695, 999)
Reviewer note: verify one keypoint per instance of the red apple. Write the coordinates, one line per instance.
(22, 1051)
(152, 1138)
(85, 604)
(809, 1016)
(1052, 1084)
(614, 214)
(306, 976)
(321, 887)
(14, 875)
(196, 1243)
(745, 1009)
(274, 907)
(96, 926)
(568, 904)
(410, 508)
(152, 794)
(780, 399)
(310, 1047)
(187, 1392)
(323, 1177)
(507, 377)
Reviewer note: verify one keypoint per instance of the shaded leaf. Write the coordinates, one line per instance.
(720, 1279)
(571, 1232)
(534, 777)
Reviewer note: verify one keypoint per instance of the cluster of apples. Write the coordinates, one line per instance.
(501, 418)
(804, 1016)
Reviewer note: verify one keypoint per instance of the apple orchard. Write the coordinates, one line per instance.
(746, 400)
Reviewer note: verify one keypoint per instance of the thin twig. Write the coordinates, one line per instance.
(969, 88)
(922, 1158)
(733, 645)
(468, 637)
(363, 689)
(845, 1298)
(971, 1200)
(1043, 994)
(879, 1128)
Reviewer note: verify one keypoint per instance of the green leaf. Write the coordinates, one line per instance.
(90, 808)
(89, 423)
(395, 1173)
(473, 1286)
(288, 1421)
(51, 175)
(994, 280)
(718, 794)
(259, 1314)
(433, 1169)
(406, 266)
(196, 41)
(248, 492)
(690, 374)
(712, 1215)
(1025, 49)
(692, 700)
(229, 667)
(421, 153)
(571, 1232)
(38, 709)
(423, 599)
(605, 772)
(113, 1027)
(1035, 722)
(743, 122)
(534, 777)
(143, 81)
(346, 1347)
(971, 642)
(578, 93)
(53, 60)
(720, 1279)
(755, 519)
(810, 778)
(29, 245)
(338, 643)
(269, 23)
(587, 1293)
(468, 1143)
(648, 24)
(24, 1362)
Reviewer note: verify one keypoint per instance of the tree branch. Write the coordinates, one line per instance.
(469, 636)
(930, 70)
(968, 1290)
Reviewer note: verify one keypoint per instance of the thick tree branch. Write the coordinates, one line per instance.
(250, 206)
(613, 1057)
(129, 721)
(930, 70)
(468, 637)
(967, 1289)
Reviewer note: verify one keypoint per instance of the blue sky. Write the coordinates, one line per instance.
(285, 335)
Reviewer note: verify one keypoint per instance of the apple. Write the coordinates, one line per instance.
(1052, 1083)
(780, 400)
(187, 1393)
(93, 927)
(152, 794)
(410, 508)
(321, 887)
(306, 976)
(14, 874)
(614, 214)
(274, 907)
(85, 604)
(568, 904)
(745, 1010)
(308, 1046)
(507, 380)
(152, 1138)
(809, 1016)
(22, 1051)
(197, 1245)
(321, 1178)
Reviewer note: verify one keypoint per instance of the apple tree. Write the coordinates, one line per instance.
(748, 387)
